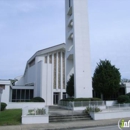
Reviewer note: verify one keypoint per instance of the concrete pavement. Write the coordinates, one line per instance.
(63, 125)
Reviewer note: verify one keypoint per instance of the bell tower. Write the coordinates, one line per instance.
(78, 47)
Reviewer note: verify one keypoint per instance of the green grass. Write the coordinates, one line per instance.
(10, 117)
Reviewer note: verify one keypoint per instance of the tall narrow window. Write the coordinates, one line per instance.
(54, 85)
(50, 59)
(63, 60)
(69, 3)
(45, 59)
(59, 70)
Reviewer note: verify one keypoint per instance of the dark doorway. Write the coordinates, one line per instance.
(64, 96)
(55, 98)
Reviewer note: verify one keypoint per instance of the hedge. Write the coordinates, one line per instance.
(128, 94)
(3, 106)
(37, 99)
(123, 99)
(81, 99)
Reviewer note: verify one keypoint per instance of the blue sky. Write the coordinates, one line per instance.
(30, 25)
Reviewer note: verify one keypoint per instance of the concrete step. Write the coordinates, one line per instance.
(65, 118)
(68, 116)
(72, 119)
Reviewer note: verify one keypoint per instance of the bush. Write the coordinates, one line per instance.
(37, 99)
(92, 109)
(96, 99)
(3, 106)
(70, 86)
(123, 99)
(67, 99)
(128, 94)
(97, 109)
(81, 99)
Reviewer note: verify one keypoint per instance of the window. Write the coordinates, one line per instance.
(64, 96)
(50, 59)
(31, 94)
(14, 95)
(70, 8)
(69, 3)
(55, 69)
(22, 95)
(63, 65)
(27, 94)
(59, 70)
(45, 59)
(18, 94)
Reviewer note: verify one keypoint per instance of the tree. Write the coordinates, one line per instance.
(13, 81)
(106, 78)
(70, 86)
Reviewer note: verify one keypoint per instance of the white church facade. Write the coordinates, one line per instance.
(45, 71)
(44, 76)
(48, 70)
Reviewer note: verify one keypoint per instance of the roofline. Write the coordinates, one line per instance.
(5, 82)
(51, 47)
(35, 54)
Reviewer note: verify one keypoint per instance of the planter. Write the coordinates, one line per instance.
(109, 115)
(35, 119)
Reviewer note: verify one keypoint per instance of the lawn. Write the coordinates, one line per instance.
(10, 117)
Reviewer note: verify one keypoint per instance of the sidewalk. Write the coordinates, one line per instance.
(63, 125)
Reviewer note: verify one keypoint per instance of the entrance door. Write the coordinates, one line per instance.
(55, 98)
(64, 95)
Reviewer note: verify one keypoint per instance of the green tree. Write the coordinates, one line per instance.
(13, 81)
(70, 86)
(106, 78)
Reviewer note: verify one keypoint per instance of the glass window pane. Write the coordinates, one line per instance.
(18, 94)
(31, 94)
(13, 94)
(22, 94)
(27, 94)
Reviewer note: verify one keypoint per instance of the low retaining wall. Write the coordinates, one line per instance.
(17, 105)
(109, 115)
(37, 119)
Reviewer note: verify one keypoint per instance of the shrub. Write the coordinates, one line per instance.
(70, 86)
(92, 109)
(96, 99)
(89, 109)
(3, 106)
(81, 99)
(67, 99)
(128, 94)
(97, 109)
(123, 99)
(37, 99)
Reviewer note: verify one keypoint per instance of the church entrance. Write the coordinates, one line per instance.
(55, 98)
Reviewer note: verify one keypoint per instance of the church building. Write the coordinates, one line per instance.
(48, 70)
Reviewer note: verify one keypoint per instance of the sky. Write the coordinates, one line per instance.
(27, 26)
